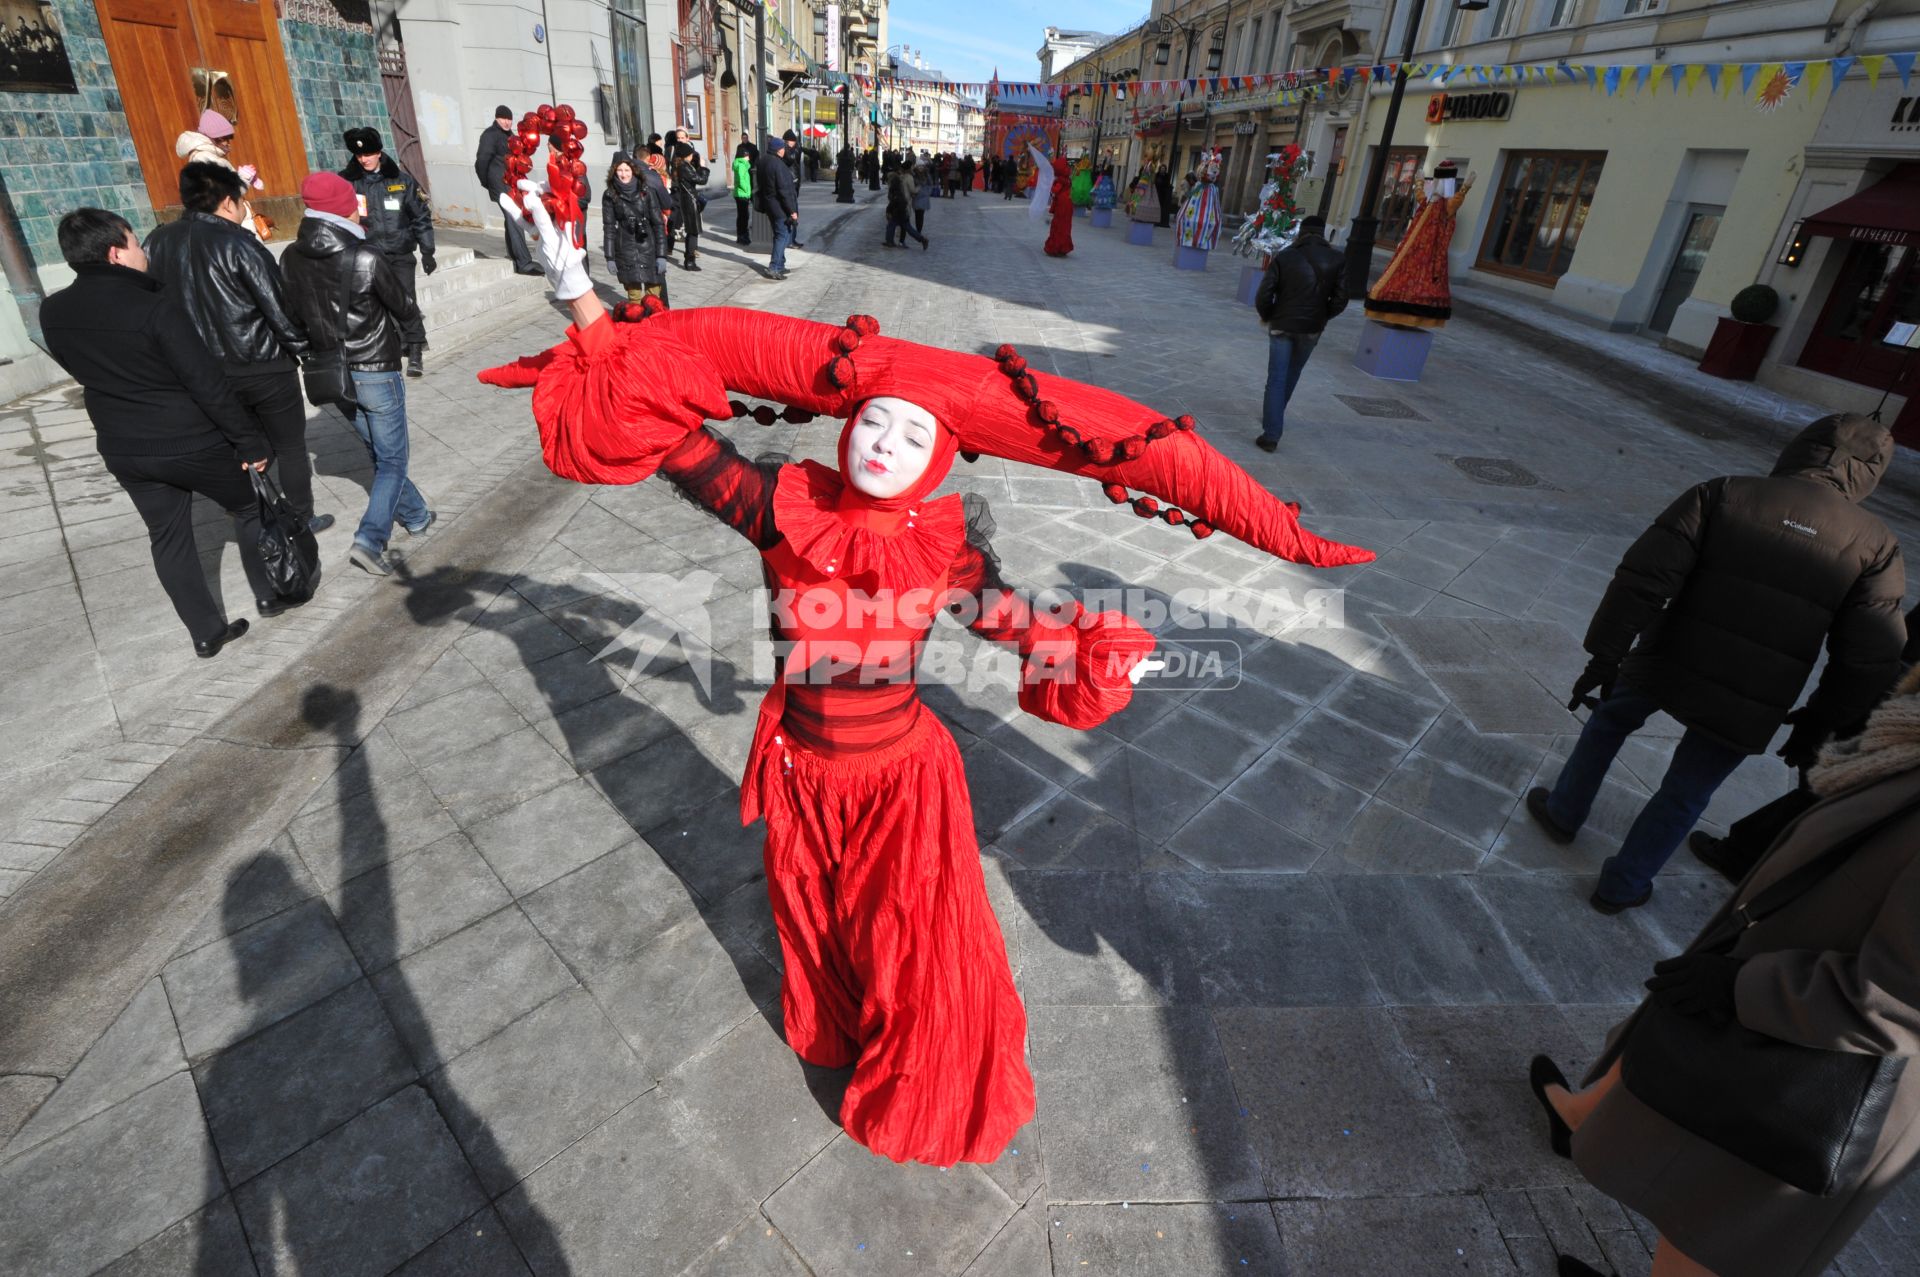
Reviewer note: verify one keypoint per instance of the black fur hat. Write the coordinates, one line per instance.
(364, 141)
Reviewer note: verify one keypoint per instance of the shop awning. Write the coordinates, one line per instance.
(1888, 212)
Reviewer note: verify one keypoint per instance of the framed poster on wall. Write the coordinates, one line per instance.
(33, 49)
(691, 114)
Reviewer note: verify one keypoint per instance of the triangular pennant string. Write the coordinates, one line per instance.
(1903, 63)
(1873, 64)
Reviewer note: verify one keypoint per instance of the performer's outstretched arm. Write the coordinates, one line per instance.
(1079, 667)
(715, 477)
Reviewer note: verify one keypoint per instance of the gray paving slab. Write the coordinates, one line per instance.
(1270, 940)
(682, 992)
(478, 1247)
(209, 1241)
(141, 1048)
(343, 840)
(364, 1198)
(93, 1193)
(538, 840)
(754, 1248)
(1428, 1236)
(403, 906)
(1299, 796)
(264, 973)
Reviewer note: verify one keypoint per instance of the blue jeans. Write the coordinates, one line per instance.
(1699, 766)
(1287, 355)
(782, 236)
(381, 424)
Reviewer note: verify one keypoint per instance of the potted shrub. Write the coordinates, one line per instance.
(1740, 342)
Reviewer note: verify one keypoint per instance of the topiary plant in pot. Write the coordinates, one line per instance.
(1740, 341)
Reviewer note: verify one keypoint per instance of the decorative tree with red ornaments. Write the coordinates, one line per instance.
(1273, 226)
(566, 171)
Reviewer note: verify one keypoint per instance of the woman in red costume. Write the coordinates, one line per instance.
(1060, 230)
(894, 962)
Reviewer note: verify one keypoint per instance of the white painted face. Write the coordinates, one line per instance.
(890, 446)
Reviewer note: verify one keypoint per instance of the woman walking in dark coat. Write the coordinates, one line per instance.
(688, 178)
(1835, 968)
(630, 232)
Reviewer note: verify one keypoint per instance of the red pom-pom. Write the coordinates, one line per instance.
(1183, 422)
(1293, 508)
(1047, 412)
(546, 113)
(765, 415)
(1004, 352)
(1096, 453)
(840, 372)
(1132, 448)
(1026, 387)
(1159, 430)
(846, 341)
(1012, 365)
(1115, 493)
(1068, 435)
(1145, 507)
(1175, 516)
(865, 325)
(1201, 531)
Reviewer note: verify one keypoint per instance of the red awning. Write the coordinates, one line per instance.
(1888, 212)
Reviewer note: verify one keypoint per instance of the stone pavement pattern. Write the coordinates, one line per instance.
(502, 998)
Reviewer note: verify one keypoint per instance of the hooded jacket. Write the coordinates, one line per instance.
(1734, 589)
(376, 305)
(396, 216)
(1306, 285)
(230, 288)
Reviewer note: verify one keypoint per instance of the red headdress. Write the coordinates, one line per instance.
(995, 407)
(566, 171)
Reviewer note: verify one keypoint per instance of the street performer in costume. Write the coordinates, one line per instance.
(1054, 193)
(1413, 291)
(894, 962)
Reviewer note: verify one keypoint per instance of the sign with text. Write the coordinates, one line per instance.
(1443, 108)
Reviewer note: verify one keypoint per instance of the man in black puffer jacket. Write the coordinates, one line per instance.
(346, 296)
(227, 282)
(397, 220)
(1717, 615)
(1306, 285)
(164, 419)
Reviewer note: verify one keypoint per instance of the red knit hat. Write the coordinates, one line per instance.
(995, 407)
(329, 193)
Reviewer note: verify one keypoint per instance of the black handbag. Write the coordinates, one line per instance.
(324, 373)
(287, 546)
(1806, 1116)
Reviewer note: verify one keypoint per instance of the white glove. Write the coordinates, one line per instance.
(660, 264)
(565, 264)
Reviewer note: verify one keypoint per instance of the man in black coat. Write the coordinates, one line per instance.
(1717, 615)
(688, 178)
(780, 200)
(1306, 285)
(490, 166)
(165, 421)
(229, 285)
(397, 220)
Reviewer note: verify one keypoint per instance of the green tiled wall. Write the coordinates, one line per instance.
(335, 70)
(62, 151)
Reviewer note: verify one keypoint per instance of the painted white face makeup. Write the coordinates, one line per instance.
(891, 443)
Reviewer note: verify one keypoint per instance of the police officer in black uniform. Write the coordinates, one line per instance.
(397, 220)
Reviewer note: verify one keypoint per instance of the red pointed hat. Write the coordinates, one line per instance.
(995, 407)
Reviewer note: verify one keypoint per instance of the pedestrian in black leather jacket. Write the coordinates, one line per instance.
(229, 285)
(1305, 286)
(378, 308)
(397, 221)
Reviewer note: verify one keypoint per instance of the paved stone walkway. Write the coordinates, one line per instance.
(502, 996)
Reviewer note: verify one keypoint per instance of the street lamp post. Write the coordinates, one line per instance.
(1168, 25)
(1366, 227)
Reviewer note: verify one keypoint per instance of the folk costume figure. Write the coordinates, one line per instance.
(1060, 203)
(894, 962)
(1103, 192)
(1144, 202)
(1413, 291)
(1199, 225)
(1083, 183)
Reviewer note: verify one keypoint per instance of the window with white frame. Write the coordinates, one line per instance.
(1506, 16)
(1563, 13)
(1249, 64)
(1642, 6)
(1450, 26)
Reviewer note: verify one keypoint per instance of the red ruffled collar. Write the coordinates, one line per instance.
(920, 553)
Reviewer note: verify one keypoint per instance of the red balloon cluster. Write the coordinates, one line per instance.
(566, 171)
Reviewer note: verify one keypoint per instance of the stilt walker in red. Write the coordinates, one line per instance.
(894, 962)
(1060, 230)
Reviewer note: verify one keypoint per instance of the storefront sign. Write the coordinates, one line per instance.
(1445, 107)
(1245, 127)
(1906, 116)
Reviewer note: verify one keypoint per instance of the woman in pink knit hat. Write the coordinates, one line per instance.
(210, 141)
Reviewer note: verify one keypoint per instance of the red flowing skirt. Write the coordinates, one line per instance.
(894, 960)
(1060, 230)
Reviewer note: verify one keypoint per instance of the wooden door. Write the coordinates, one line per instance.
(156, 46)
(151, 45)
(242, 38)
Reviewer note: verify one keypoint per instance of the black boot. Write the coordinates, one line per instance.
(413, 361)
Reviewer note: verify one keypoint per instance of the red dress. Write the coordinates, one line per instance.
(894, 962)
(1060, 230)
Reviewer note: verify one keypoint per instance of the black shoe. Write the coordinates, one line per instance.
(1542, 1073)
(1571, 1267)
(744, 243)
(413, 362)
(1265, 444)
(274, 607)
(528, 270)
(1715, 855)
(318, 523)
(924, 241)
(1610, 907)
(776, 275)
(797, 244)
(1537, 808)
(690, 266)
(212, 646)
